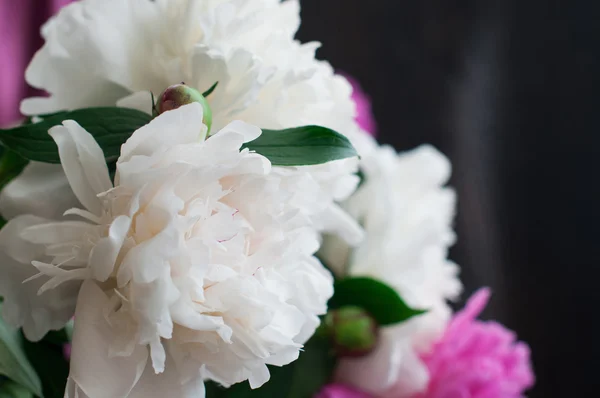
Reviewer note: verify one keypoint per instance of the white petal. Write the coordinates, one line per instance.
(146, 261)
(56, 232)
(179, 126)
(434, 166)
(247, 131)
(208, 67)
(83, 162)
(185, 316)
(337, 221)
(335, 252)
(23, 307)
(104, 254)
(259, 377)
(92, 370)
(141, 101)
(58, 276)
(378, 371)
(167, 384)
(414, 377)
(74, 34)
(72, 390)
(42, 189)
(284, 357)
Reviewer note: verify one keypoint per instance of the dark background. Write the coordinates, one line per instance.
(507, 89)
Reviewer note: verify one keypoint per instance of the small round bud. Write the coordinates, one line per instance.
(178, 95)
(352, 330)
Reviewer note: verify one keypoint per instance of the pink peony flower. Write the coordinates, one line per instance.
(476, 359)
(340, 391)
(364, 113)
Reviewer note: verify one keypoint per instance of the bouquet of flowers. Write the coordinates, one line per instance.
(198, 208)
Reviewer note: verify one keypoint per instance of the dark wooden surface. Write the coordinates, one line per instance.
(508, 90)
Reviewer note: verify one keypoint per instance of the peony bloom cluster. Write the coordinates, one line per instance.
(118, 52)
(473, 359)
(476, 359)
(196, 264)
(407, 215)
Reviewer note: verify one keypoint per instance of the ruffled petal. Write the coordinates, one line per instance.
(167, 384)
(247, 131)
(23, 307)
(83, 162)
(93, 373)
(42, 189)
(104, 255)
(179, 126)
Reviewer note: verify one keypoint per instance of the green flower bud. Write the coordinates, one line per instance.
(352, 330)
(180, 94)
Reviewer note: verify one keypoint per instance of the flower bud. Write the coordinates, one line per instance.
(352, 330)
(178, 95)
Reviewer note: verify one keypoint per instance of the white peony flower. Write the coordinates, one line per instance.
(197, 264)
(407, 215)
(113, 52)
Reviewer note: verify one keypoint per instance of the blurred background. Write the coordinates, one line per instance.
(507, 89)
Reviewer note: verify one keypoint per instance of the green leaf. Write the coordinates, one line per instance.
(301, 146)
(302, 378)
(13, 361)
(11, 165)
(381, 301)
(110, 126)
(49, 362)
(10, 389)
(210, 90)
(313, 369)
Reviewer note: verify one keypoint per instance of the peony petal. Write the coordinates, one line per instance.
(23, 307)
(148, 260)
(75, 84)
(259, 377)
(184, 315)
(141, 101)
(104, 254)
(42, 189)
(414, 376)
(56, 232)
(208, 67)
(83, 162)
(380, 370)
(179, 126)
(335, 220)
(93, 372)
(335, 252)
(167, 384)
(247, 131)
